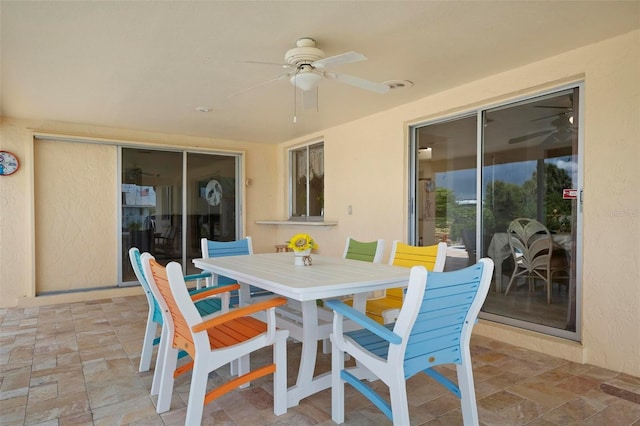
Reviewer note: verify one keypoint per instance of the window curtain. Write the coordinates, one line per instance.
(316, 163)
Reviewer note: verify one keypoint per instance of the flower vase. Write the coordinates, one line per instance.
(298, 258)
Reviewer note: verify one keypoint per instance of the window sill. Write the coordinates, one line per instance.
(296, 223)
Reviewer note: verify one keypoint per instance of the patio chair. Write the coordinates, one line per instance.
(534, 254)
(370, 251)
(212, 343)
(231, 248)
(205, 306)
(432, 329)
(366, 251)
(385, 309)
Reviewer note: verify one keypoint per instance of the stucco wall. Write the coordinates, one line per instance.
(18, 239)
(366, 165)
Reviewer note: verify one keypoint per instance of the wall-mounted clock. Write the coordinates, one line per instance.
(9, 163)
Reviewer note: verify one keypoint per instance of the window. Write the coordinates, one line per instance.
(473, 175)
(306, 181)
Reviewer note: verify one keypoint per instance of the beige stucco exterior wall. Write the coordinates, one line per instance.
(18, 251)
(366, 167)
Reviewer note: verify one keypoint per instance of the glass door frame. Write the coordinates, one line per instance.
(239, 194)
(479, 112)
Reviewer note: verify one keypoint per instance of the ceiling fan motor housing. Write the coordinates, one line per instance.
(305, 53)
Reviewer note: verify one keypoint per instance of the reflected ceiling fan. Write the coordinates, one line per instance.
(562, 129)
(308, 66)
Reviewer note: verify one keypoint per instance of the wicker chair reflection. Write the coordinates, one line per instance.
(534, 254)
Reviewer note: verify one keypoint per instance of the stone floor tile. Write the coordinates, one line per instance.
(77, 364)
(574, 412)
(66, 404)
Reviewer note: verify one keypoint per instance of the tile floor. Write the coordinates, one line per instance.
(77, 364)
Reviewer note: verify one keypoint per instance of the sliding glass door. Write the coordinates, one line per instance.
(172, 199)
(212, 201)
(530, 170)
(472, 176)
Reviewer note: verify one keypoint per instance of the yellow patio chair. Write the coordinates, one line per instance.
(385, 309)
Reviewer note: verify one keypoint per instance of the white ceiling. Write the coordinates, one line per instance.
(149, 65)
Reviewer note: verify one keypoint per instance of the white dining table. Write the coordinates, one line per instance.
(327, 277)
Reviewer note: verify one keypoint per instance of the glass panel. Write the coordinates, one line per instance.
(211, 202)
(446, 189)
(299, 182)
(307, 181)
(151, 205)
(530, 156)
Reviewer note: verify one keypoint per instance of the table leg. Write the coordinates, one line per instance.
(498, 271)
(306, 384)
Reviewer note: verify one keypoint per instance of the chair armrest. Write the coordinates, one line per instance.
(194, 277)
(363, 320)
(240, 312)
(211, 291)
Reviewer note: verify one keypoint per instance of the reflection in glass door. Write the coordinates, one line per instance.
(211, 202)
(151, 205)
(529, 168)
(446, 188)
(153, 184)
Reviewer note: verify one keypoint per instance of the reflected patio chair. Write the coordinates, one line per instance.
(433, 328)
(165, 243)
(204, 304)
(212, 343)
(534, 254)
(231, 248)
(385, 309)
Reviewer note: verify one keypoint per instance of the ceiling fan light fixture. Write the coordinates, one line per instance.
(305, 80)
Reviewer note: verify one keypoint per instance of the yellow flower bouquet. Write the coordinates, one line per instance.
(302, 242)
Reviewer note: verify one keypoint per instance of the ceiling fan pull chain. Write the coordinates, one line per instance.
(295, 110)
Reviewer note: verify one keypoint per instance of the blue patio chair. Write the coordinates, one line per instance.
(205, 306)
(433, 328)
(231, 248)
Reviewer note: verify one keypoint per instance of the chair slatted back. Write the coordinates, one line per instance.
(136, 264)
(182, 337)
(431, 257)
(438, 332)
(226, 248)
(530, 242)
(364, 251)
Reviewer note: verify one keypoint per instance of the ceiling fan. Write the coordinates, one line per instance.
(308, 66)
(562, 128)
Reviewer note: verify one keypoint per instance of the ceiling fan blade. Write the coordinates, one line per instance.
(264, 83)
(310, 99)
(358, 82)
(268, 63)
(533, 135)
(560, 114)
(345, 58)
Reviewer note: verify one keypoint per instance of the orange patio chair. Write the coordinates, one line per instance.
(212, 343)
